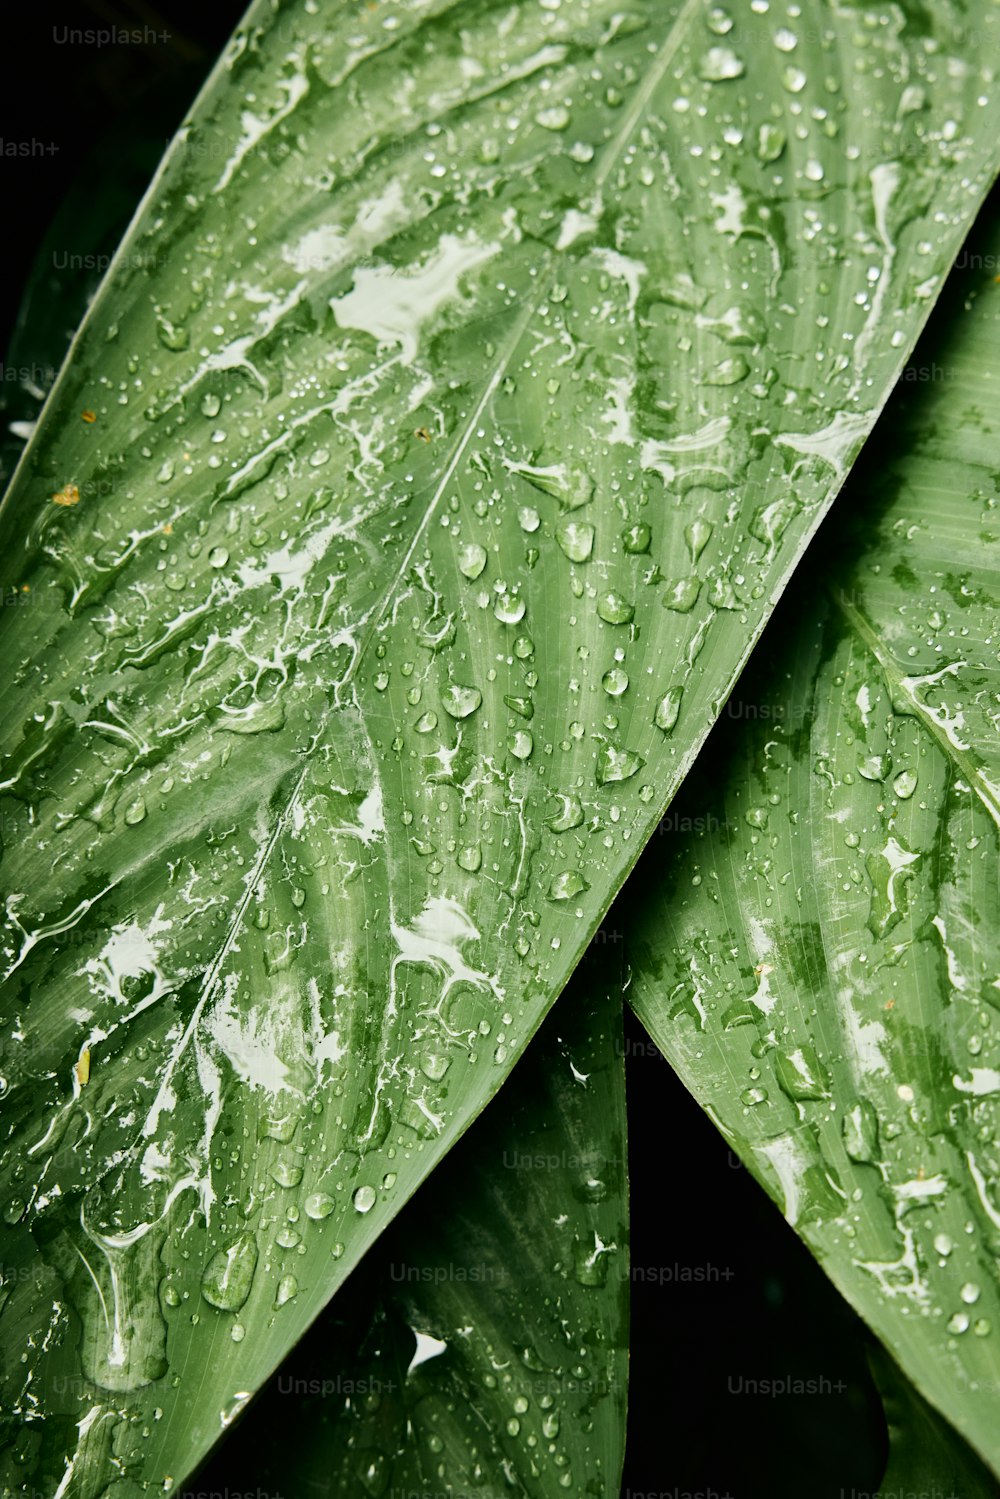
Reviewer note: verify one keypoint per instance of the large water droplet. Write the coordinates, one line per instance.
(471, 559)
(460, 701)
(615, 764)
(567, 884)
(576, 539)
(229, 1274)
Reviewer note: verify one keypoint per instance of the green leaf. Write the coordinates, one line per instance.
(491, 1355)
(822, 964)
(925, 1455)
(451, 375)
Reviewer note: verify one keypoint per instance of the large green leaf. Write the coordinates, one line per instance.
(823, 966)
(512, 1269)
(451, 345)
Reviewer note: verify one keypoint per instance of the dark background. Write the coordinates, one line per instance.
(101, 118)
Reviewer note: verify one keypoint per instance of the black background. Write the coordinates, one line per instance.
(108, 113)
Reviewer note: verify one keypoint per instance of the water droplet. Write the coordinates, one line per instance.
(210, 405)
(905, 784)
(522, 705)
(460, 701)
(801, 1074)
(727, 372)
(319, 1205)
(135, 812)
(426, 723)
(570, 814)
(697, 535)
(470, 857)
(229, 1274)
(434, 1064)
(794, 80)
(237, 1332)
(521, 744)
(218, 557)
(637, 539)
(288, 1287)
(471, 559)
(614, 609)
(615, 681)
(753, 1096)
(959, 1322)
(720, 64)
(943, 1245)
(286, 1174)
(770, 143)
(364, 1199)
(970, 1293)
(556, 117)
(860, 1131)
(615, 764)
(668, 709)
(566, 885)
(682, 594)
(576, 539)
(172, 336)
(509, 608)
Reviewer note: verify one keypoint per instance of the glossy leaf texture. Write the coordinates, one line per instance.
(484, 1348)
(822, 963)
(462, 396)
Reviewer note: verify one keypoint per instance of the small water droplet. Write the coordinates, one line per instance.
(364, 1199)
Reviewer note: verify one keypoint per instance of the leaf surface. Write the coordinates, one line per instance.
(822, 964)
(461, 398)
(486, 1347)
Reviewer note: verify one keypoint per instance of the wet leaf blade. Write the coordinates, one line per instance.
(821, 967)
(411, 498)
(512, 1267)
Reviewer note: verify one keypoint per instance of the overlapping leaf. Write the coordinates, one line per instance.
(824, 972)
(486, 1349)
(925, 1454)
(462, 396)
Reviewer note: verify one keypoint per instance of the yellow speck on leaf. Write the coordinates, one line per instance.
(423, 434)
(168, 529)
(890, 1004)
(68, 495)
(763, 969)
(89, 416)
(83, 1069)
